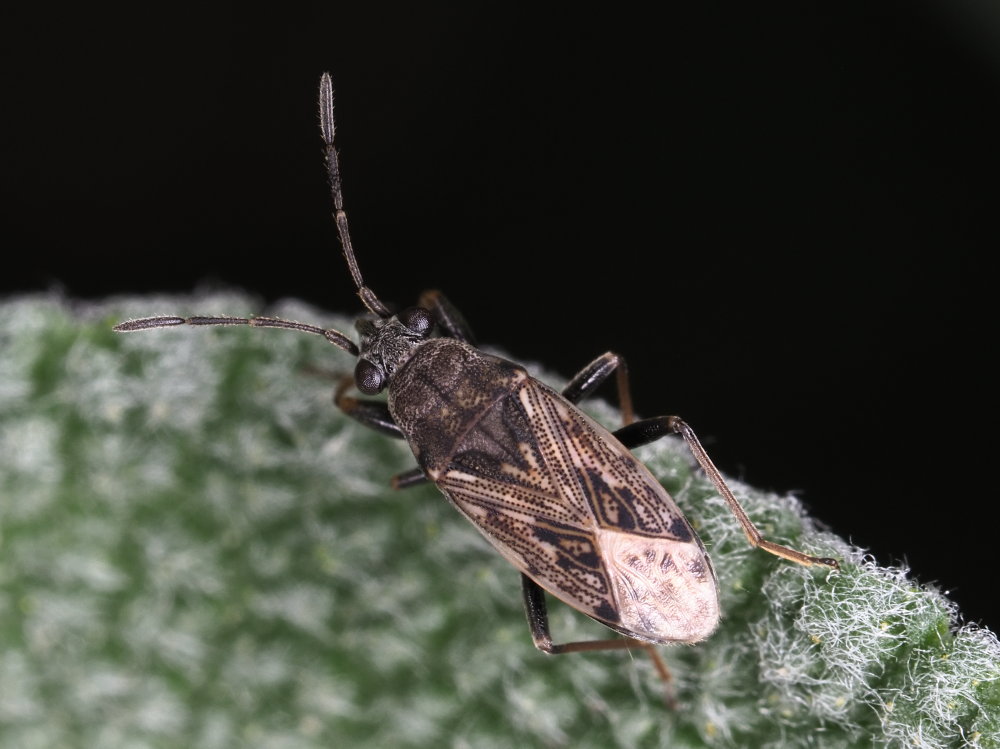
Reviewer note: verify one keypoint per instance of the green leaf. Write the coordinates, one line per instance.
(198, 550)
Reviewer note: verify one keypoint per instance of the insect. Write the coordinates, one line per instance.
(559, 496)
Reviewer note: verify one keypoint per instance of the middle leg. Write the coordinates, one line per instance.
(590, 377)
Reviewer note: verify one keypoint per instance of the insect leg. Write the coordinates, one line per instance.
(538, 621)
(375, 415)
(409, 478)
(590, 377)
(371, 413)
(648, 430)
(447, 316)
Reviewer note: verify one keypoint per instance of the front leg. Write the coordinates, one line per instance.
(375, 415)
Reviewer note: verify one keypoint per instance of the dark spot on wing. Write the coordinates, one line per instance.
(606, 612)
(680, 530)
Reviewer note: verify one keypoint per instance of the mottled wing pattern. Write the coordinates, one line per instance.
(571, 507)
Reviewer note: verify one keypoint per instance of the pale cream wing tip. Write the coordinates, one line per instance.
(665, 589)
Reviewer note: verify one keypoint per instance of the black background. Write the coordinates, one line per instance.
(782, 216)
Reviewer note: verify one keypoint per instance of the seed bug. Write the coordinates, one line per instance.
(559, 496)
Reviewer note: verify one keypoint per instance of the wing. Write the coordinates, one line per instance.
(571, 507)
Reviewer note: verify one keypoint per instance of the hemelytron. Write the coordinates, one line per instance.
(559, 496)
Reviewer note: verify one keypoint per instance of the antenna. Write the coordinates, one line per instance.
(328, 128)
(335, 337)
(368, 297)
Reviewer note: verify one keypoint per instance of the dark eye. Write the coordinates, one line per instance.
(368, 377)
(416, 319)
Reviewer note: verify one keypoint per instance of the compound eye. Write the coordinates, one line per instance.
(368, 378)
(416, 319)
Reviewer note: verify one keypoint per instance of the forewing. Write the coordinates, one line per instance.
(568, 505)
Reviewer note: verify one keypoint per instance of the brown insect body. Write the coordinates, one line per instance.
(555, 492)
(558, 495)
